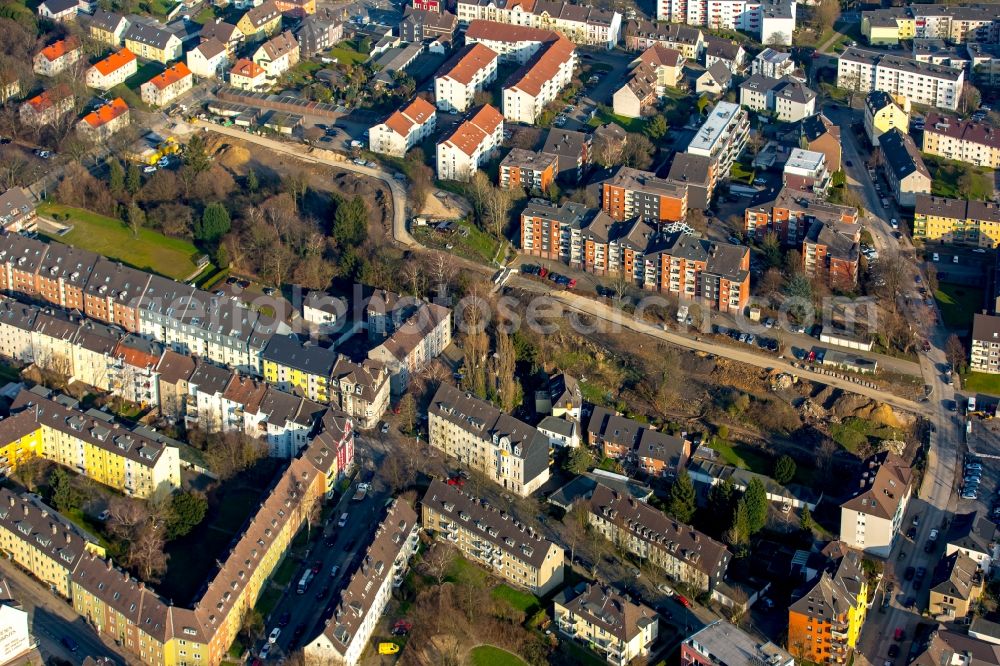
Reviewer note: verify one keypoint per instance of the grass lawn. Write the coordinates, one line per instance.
(852, 433)
(958, 303)
(205, 15)
(522, 601)
(158, 7)
(628, 124)
(981, 382)
(743, 457)
(742, 173)
(150, 251)
(302, 73)
(488, 655)
(285, 572)
(946, 174)
(347, 54)
(577, 654)
(268, 600)
(77, 517)
(477, 245)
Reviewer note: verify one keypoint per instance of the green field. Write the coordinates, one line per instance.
(743, 457)
(603, 117)
(853, 433)
(488, 655)
(347, 54)
(151, 251)
(946, 174)
(980, 382)
(958, 303)
(521, 601)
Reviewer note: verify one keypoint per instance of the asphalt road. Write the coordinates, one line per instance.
(51, 619)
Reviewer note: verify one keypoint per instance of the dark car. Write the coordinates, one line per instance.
(322, 592)
(285, 618)
(908, 574)
(921, 573)
(849, 163)
(893, 651)
(929, 546)
(69, 643)
(911, 533)
(299, 632)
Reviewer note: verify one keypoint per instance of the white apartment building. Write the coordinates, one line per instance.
(404, 129)
(469, 72)
(614, 625)
(111, 71)
(774, 64)
(539, 82)
(722, 136)
(871, 519)
(167, 86)
(771, 21)
(985, 351)
(921, 82)
(470, 145)
(209, 59)
(580, 23)
(963, 140)
(418, 340)
(511, 43)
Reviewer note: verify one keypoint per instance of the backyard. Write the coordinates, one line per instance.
(149, 250)
(981, 382)
(347, 53)
(488, 655)
(958, 180)
(958, 303)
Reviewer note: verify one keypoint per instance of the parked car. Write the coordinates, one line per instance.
(273, 636)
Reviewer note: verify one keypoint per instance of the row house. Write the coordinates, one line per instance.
(164, 88)
(630, 193)
(722, 137)
(420, 339)
(493, 539)
(108, 28)
(904, 167)
(530, 89)
(404, 129)
(509, 452)
(277, 55)
(207, 403)
(260, 22)
(966, 141)
(17, 212)
(360, 605)
(819, 134)
(528, 170)
(292, 365)
(832, 253)
(47, 107)
(104, 121)
(58, 56)
(957, 221)
(655, 453)
(360, 390)
(209, 59)
(512, 43)
(227, 34)
(152, 41)
(884, 112)
(791, 213)
(472, 144)
(683, 553)
(469, 72)
(642, 35)
(607, 621)
(581, 24)
(920, 82)
(787, 98)
(112, 71)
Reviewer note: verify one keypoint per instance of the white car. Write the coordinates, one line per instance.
(273, 636)
(264, 651)
(149, 169)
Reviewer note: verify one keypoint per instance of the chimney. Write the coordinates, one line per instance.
(110, 564)
(12, 501)
(55, 529)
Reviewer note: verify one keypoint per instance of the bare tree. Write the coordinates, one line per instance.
(970, 98)
(12, 166)
(955, 351)
(893, 273)
(436, 562)
(826, 14)
(504, 369)
(498, 205)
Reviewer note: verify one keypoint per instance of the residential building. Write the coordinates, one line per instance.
(870, 519)
(582, 24)
(791, 213)
(651, 74)
(60, 11)
(467, 73)
(260, 22)
(654, 453)
(360, 390)
(296, 9)
(698, 174)
(17, 212)
(509, 452)
(703, 469)
(641, 35)
(19, 645)
(528, 170)
(773, 64)
(493, 539)
(956, 221)
(428, 5)
(471, 145)
(630, 193)
(957, 583)
(682, 552)
(58, 56)
(226, 34)
(554, 232)
(726, 51)
(722, 136)
(420, 24)
(209, 59)
(363, 600)
(111, 294)
(787, 98)
(607, 621)
(883, 112)
(832, 252)
(47, 107)
(17, 321)
(108, 28)
(174, 373)
(948, 646)
(924, 83)
(404, 129)
(806, 170)
(164, 88)
(248, 75)
(985, 350)
(324, 312)
(101, 450)
(418, 340)
(292, 365)
(770, 21)
(974, 536)
(722, 642)
(954, 23)
(574, 150)
(967, 141)
(561, 432)
(903, 167)
(277, 55)
(152, 41)
(530, 89)
(319, 32)
(102, 122)
(715, 80)
(818, 133)
(825, 621)
(113, 70)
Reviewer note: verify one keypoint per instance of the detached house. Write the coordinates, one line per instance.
(260, 22)
(470, 145)
(247, 75)
(609, 622)
(100, 124)
(404, 129)
(57, 57)
(870, 520)
(60, 11)
(657, 69)
(112, 71)
(164, 88)
(226, 34)
(209, 59)
(277, 55)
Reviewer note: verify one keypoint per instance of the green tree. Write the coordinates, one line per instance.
(683, 501)
(196, 158)
(800, 289)
(806, 519)
(350, 222)
(187, 510)
(134, 179)
(253, 183)
(64, 495)
(720, 499)
(755, 498)
(739, 530)
(222, 257)
(580, 460)
(656, 127)
(784, 470)
(214, 223)
(116, 176)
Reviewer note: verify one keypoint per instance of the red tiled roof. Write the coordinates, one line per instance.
(47, 98)
(470, 134)
(107, 113)
(543, 67)
(416, 113)
(58, 49)
(657, 54)
(114, 62)
(470, 60)
(170, 76)
(502, 32)
(247, 68)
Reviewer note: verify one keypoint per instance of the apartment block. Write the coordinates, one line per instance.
(787, 98)
(921, 82)
(57, 57)
(962, 140)
(419, 339)
(419, 24)
(554, 232)
(791, 214)
(904, 167)
(291, 364)
(319, 32)
(884, 112)
(104, 121)
(641, 35)
(113, 70)
(582, 24)
(609, 622)
(512, 43)
(47, 107)
(871, 518)
(956, 221)
(770, 21)
(773, 64)
(153, 41)
(362, 602)
(682, 552)
(493, 539)
(17, 212)
(404, 129)
(471, 145)
(467, 73)
(530, 89)
(698, 174)
(806, 170)
(720, 641)
(108, 27)
(985, 350)
(574, 150)
(164, 88)
(509, 452)
(955, 586)
(360, 390)
(655, 453)
(630, 193)
(976, 537)
(528, 170)
(953, 23)
(832, 252)
(722, 137)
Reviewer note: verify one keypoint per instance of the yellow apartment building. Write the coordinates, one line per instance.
(956, 221)
(293, 366)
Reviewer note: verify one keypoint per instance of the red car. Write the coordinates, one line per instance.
(682, 600)
(456, 481)
(543, 271)
(315, 567)
(571, 283)
(899, 634)
(401, 628)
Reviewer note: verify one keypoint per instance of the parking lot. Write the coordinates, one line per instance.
(983, 457)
